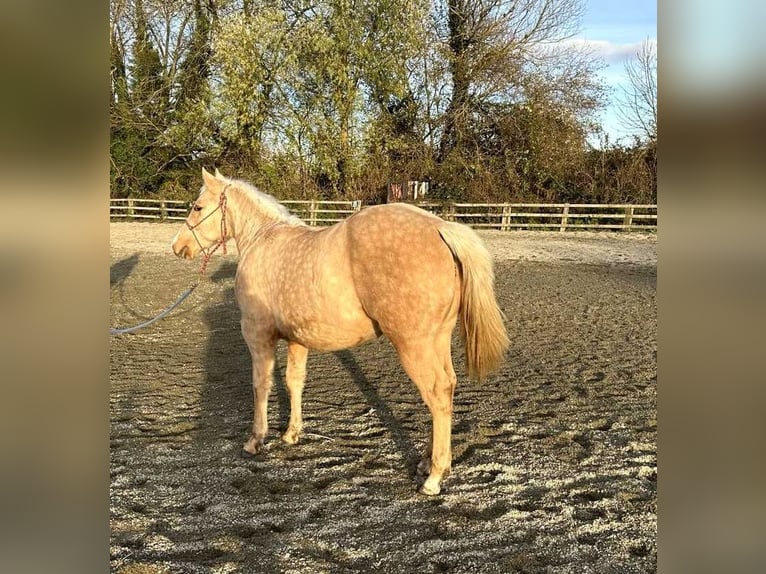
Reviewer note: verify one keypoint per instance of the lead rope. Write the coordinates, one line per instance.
(180, 300)
(206, 259)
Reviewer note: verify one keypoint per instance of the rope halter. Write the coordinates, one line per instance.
(208, 253)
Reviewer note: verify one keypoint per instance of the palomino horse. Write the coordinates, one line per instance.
(390, 269)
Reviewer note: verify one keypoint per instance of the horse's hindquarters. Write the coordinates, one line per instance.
(405, 276)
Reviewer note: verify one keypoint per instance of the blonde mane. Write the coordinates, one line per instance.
(262, 202)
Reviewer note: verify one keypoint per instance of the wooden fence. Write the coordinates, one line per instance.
(549, 216)
(313, 212)
(148, 209)
(502, 216)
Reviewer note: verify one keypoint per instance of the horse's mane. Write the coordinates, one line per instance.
(264, 203)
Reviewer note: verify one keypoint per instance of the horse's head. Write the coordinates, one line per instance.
(205, 226)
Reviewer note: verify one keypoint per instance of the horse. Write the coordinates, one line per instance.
(393, 270)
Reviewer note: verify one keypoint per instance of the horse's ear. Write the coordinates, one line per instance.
(218, 174)
(210, 181)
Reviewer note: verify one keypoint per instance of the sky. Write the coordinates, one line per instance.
(615, 29)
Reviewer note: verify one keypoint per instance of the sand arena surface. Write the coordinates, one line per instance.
(554, 456)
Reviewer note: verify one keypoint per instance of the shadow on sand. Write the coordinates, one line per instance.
(401, 437)
(121, 270)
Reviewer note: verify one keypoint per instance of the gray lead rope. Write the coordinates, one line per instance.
(208, 254)
(122, 330)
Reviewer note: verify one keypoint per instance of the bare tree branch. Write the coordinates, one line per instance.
(638, 100)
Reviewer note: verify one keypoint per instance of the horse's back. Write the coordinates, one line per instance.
(405, 275)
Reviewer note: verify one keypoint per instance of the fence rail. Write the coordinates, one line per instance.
(558, 216)
(502, 216)
(148, 209)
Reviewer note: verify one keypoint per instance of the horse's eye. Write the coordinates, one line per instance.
(197, 208)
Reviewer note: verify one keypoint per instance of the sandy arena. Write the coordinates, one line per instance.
(555, 466)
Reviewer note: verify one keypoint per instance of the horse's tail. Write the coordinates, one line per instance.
(481, 321)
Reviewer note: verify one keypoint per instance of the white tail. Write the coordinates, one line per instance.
(481, 321)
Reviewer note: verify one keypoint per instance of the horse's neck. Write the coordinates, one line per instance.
(249, 218)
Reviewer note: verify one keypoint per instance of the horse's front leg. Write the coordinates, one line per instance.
(262, 349)
(297, 355)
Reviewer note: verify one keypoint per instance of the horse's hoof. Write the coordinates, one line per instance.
(246, 455)
(252, 448)
(291, 436)
(429, 491)
(430, 488)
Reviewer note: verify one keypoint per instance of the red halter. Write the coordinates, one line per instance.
(222, 241)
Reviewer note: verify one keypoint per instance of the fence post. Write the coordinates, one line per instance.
(628, 221)
(505, 222)
(564, 217)
(313, 213)
(356, 204)
(163, 210)
(130, 207)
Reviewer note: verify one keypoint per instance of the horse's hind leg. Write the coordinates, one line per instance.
(429, 364)
(424, 467)
(295, 378)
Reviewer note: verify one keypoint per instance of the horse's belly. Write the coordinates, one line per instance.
(326, 336)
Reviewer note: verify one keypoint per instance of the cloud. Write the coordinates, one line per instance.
(610, 52)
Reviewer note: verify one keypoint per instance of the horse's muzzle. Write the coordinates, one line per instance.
(183, 251)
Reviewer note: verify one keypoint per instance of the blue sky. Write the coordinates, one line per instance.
(614, 29)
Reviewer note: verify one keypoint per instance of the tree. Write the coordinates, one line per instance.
(520, 99)
(250, 54)
(333, 98)
(194, 70)
(354, 66)
(157, 62)
(637, 108)
(638, 100)
(148, 90)
(302, 78)
(490, 47)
